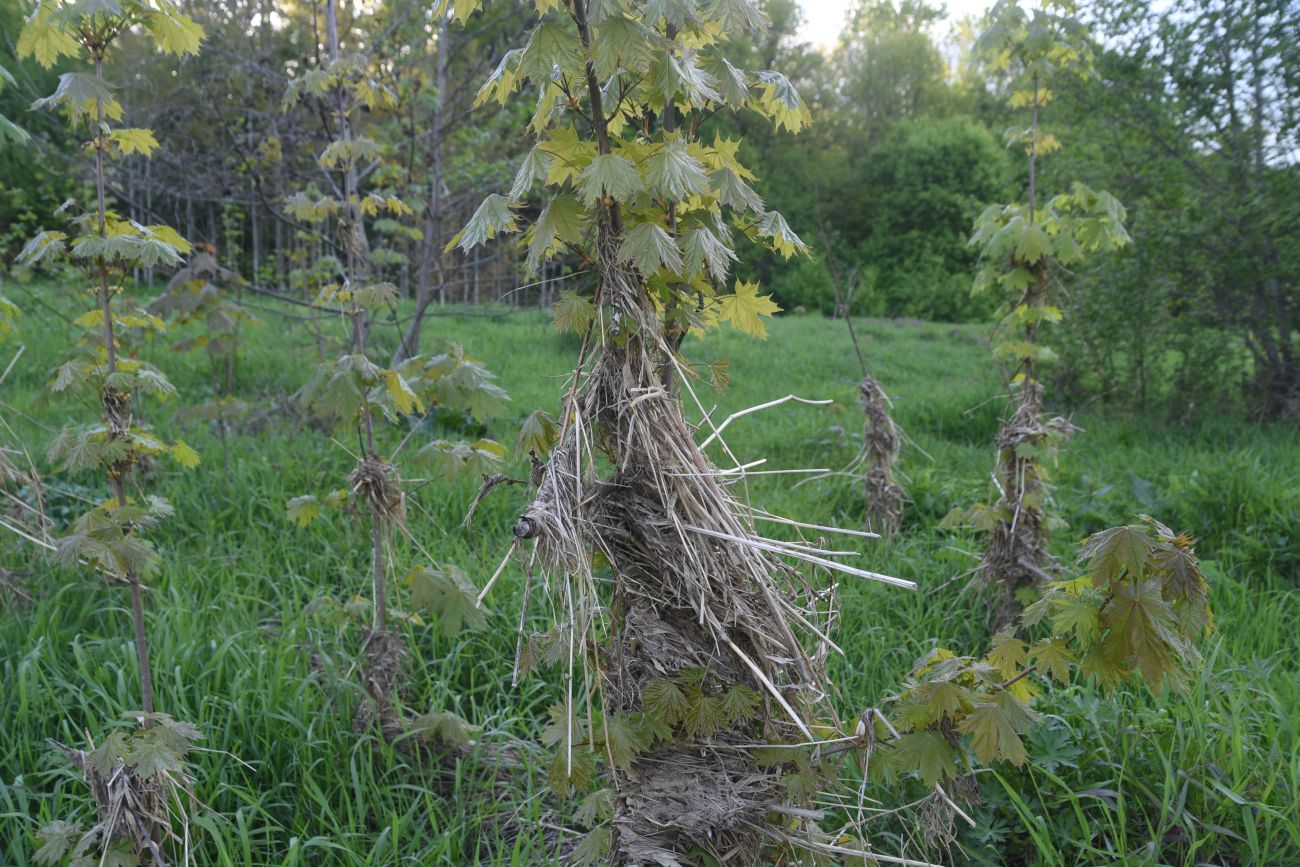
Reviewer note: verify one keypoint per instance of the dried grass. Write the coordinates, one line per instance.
(378, 484)
(881, 444)
(145, 812)
(1018, 553)
(694, 588)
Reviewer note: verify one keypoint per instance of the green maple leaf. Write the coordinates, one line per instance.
(1032, 244)
(610, 176)
(572, 312)
(1051, 656)
(1075, 614)
(733, 84)
(563, 220)
(537, 434)
(940, 698)
(303, 510)
(665, 701)
(1183, 585)
(745, 309)
(621, 43)
(927, 753)
(150, 757)
(134, 141)
(701, 248)
(650, 248)
(174, 32)
(1112, 553)
(531, 170)
(1141, 631)
(734, 192)
(44, 36)
(551, 45)
(1008, 655)
(492, 216)
(994, 728)
(446, 727)
(57, 839)
(781, 237)
(675, 175)
(448, 594)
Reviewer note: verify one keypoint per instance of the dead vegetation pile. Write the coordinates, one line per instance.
(1018, 553)
(695, 588)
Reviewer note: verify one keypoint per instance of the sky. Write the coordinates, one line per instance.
(823, 19)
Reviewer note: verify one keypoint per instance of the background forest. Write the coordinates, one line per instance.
(1190, 120)
(362, 353)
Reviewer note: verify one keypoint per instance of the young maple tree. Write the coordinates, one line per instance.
(138, 778)
(358, 392)
(690, 648)
(1023, 248)
(1137, 606)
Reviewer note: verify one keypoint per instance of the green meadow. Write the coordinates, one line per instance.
(243, 645)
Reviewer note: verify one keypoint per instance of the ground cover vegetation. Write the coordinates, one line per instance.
(656, 631)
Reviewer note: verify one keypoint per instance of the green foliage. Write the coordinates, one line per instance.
(677, 198)
(1138, 606)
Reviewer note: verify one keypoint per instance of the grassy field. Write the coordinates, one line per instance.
(1210, 775)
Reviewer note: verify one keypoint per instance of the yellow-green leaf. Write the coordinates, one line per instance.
(184, 455)
(745, 309)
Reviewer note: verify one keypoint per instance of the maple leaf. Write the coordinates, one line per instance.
(927, 753)
(610, 176)
(1112, 553)
(994, 728)
(1183, 584)
(941, 698)
(537, 434)
(744, 309)
(1141, 631)
(650, 248)
(134, 141)
(572, 312)
(44, 37)
(1075, 614)
(1008, 654)
(175, 33)
(184, 455)
(1051, 656)
(448, 594)
(561, 221)
(674, 174)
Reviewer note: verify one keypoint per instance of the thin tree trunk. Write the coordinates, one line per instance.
(117, 407)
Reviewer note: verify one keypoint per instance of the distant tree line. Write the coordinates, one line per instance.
(1190, 120)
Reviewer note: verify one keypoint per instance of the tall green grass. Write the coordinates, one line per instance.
(1209, 775)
